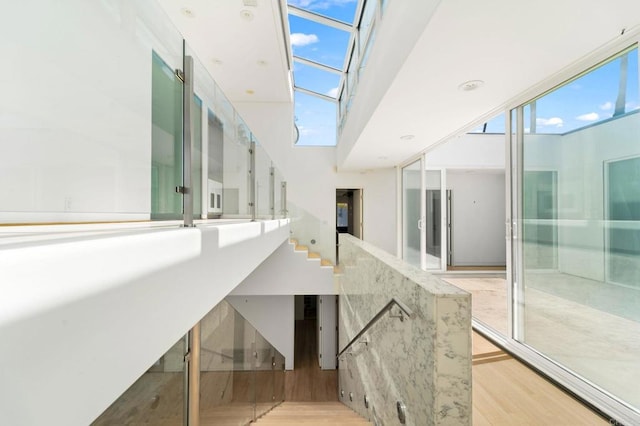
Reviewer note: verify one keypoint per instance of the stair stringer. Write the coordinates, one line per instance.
(288, 272)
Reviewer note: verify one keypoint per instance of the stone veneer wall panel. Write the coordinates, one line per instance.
(424, 361)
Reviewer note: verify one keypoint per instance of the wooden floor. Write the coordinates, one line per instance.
(307, 382)
(506, 392)
(312, 413)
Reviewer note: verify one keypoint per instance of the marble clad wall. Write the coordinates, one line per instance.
(425, 361)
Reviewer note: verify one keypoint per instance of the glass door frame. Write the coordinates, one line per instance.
(421, 160)
(443, 217)
(514, 166)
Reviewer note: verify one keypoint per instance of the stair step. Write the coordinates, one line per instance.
(301, 248)
(312, 413)
(293, 241)
(314, 255)
(325, 262)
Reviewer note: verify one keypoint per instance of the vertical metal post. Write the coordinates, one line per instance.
(252, 180)
(187, 101)
(193, 372)
(283, 199)
(185, 382)
(272, 192)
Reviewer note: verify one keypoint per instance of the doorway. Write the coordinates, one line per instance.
(349, 212)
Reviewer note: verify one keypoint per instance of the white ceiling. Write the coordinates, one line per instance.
(242, 54)
(510, 45)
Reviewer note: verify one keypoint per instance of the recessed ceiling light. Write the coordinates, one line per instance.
(471, 85)
(262, 63)
(407, 137)
(249, 92)
(247, 15)
(216, 61)
(383, 157)
(187, 12)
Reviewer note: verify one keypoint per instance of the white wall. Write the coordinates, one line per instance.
(97, 312)
(312, 177)
(287, 272)
(469, 151)
(478, 217)
(75, 111)
(581, 194)
(273, 317)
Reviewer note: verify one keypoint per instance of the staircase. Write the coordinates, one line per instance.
(312, 413)
(312, 255)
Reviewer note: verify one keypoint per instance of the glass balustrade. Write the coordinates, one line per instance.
(241, 378)
(157, 397)
(85, 144)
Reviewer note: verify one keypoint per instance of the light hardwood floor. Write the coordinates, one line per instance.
(311, 414)
(506, 392)
(595, 344)
(307, 382)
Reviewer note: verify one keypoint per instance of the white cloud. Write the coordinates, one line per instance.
(300, 39)
(592, 116)
(553, 121)
(333, 92)
(631, 106)
(607, 106)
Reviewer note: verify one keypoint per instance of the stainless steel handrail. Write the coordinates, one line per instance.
(404, 308)
(211, 351)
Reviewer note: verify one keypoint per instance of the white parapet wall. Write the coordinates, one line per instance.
(422, 362)
(84, 314)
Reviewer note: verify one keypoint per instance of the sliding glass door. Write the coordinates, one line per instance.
(576, 241)
(412, 212)
(423, 217)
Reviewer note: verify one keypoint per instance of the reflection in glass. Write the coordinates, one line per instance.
(157, 397)
(581, 230)
(433, 228)
(411, 188)
(196, 156)
(166, 147)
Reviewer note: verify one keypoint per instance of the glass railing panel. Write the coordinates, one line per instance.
(278, 384)
(263, 183)
(312, 232)
(157, 397)
(264, 359)
(237, 143)
(367, 22)
(278, 179)
(217, 350)
(86, 143)
(244, 389)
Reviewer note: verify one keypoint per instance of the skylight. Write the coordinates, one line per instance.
(321, 36)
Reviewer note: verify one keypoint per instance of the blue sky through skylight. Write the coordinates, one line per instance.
(326, 45)
(317, 80)
(582, 102)
(316, 120)
(317, 42)
(342, 10)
